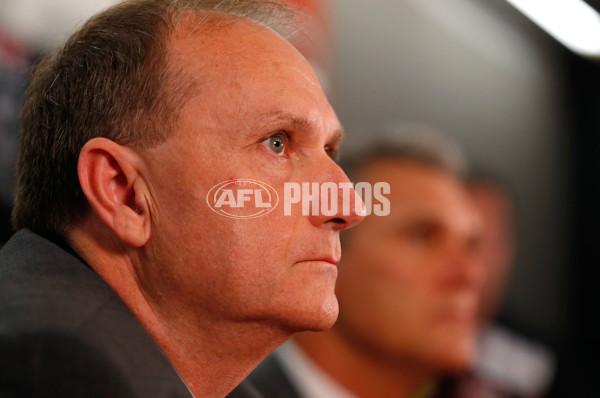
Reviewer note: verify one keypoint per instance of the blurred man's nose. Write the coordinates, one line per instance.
(463, 267)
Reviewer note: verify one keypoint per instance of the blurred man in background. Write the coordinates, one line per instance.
(508, 364)
(408, 286)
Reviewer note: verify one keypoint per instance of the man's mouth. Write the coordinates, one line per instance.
(329, 259)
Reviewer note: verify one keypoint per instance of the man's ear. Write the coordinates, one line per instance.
(110, 177)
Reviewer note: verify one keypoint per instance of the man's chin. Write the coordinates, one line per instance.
(457, 346)
(327, 316)
(314, 318)
(458, 360)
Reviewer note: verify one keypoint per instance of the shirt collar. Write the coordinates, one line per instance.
(306, 376)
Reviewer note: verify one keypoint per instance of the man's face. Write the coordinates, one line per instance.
(409, 282)
(497, 251)
(258, 113)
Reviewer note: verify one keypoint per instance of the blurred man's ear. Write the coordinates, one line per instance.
(110, 177)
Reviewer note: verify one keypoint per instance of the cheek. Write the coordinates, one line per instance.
(386, 290)
(208, 254)
(258, 246)
(383, 269)
(448, 347)
(254, 256)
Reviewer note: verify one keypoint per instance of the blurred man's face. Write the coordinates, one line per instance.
(497, 243)
(259, 113)
(409, 282)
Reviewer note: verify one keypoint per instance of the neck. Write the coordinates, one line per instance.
(360, 371)
(215, 359)
(211, 355)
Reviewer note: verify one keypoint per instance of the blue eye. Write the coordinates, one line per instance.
(277, 144)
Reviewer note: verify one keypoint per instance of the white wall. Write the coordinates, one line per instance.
(45, 23)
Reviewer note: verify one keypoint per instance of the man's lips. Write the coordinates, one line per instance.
(460, 311)
(327, 251)
(330, 259)
(334, 260)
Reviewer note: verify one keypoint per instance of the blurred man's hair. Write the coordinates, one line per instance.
(111, 79)
(404, 143)
(415, 143)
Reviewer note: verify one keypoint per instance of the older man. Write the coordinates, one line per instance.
(408, 286)
(122, 279)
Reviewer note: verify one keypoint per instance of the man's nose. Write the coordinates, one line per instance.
(464, 268)
(340, 207)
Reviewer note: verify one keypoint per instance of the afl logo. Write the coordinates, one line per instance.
(243, 198)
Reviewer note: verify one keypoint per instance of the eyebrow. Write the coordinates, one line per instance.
(301, 123)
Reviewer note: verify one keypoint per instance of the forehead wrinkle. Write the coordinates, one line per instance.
(307, 73)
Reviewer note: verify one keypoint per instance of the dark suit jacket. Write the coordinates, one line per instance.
(65, 333)
(271, 381)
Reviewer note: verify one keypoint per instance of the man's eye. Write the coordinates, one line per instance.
(277, 143)
(422, 233)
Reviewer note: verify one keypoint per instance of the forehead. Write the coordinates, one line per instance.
(227, 52)
(249, 68)
(421, 191)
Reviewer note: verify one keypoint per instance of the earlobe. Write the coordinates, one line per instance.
(110, 178)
